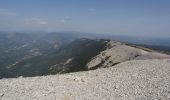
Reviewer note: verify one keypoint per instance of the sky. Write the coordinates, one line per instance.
(123, 17)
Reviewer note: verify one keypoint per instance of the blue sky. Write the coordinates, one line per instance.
(123, 17)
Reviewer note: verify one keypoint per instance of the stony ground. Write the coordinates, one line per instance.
(132, 80)
(118, 52)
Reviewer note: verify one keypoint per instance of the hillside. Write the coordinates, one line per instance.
(103, 69)
(56, 53)
(117, 52)
(131, 80)
(70, 58)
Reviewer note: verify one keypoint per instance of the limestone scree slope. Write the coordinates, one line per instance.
(130, 80)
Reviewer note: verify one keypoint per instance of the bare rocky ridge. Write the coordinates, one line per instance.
(118, 52)
(80, 55)
(131, 80)
(132, 73)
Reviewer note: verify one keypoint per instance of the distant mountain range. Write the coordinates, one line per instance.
(35, 54)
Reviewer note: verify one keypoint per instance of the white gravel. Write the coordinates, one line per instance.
(132, 80)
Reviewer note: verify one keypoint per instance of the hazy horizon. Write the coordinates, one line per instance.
(118, 17)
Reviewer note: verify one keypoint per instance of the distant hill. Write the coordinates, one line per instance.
(55, 53)
(33, 54)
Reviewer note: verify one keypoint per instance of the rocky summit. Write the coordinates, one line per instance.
(117, 52)
(130, 80)
(46, 68)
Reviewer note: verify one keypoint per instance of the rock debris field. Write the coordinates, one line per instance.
(131, 80)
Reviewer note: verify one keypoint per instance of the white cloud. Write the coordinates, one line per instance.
(35, 21)
(43, 22)
(63, 20)
(5, 12)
